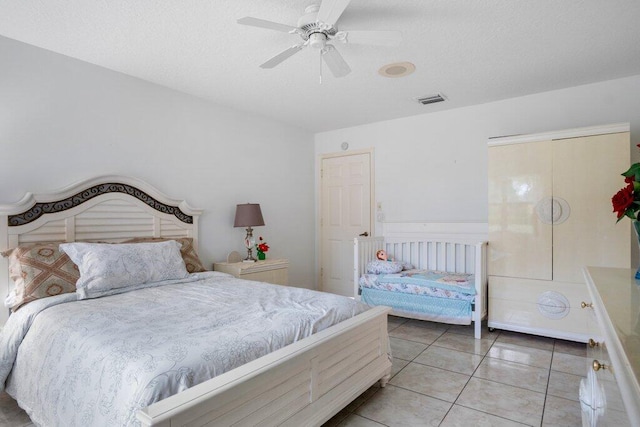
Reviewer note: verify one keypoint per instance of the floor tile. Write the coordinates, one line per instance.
(526, 340)
(362, 398)
(459, 416)
(515, 374)
(436, 326)
(396, 407)
(393, 322)
(398, 365)
(354, 420)
(570, 364)
(337, 419)
(470, 331)
(571, 347)
(416, 333)
(521, 354)
(406, 350)
(564, 385)
(434, 382)
(467, 344)
(559, 412)
(513, 403)
(452, 360)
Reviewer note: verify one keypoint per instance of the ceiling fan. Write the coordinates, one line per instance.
(317, 28)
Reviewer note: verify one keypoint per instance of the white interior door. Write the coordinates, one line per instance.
(345, 214)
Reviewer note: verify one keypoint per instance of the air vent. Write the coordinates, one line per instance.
(424, 100)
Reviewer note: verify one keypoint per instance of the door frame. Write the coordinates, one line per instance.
(318, 233)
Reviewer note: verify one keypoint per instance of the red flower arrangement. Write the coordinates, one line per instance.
(262, 246)
(626, 202)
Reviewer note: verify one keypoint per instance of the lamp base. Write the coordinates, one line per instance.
(249, 243)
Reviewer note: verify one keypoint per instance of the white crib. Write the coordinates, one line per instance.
(428, 246)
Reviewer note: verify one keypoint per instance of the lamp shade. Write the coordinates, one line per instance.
(248, 215)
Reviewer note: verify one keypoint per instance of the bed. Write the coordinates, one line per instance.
(439, 273)
(304, 375)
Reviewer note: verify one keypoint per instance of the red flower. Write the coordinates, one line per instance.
(622, 200)
(262, 245)
(629, 180)
(626, 202)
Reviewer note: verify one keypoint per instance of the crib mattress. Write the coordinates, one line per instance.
(425, 307)
(426, 294)
(424, 282)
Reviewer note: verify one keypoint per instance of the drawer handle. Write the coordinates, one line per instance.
(593, 343)
(596, 365)
(585, 305)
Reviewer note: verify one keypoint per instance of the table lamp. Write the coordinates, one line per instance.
(248, 215)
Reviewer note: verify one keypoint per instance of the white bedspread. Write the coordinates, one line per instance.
(96, 362)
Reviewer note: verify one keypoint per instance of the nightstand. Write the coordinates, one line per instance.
(270, 270)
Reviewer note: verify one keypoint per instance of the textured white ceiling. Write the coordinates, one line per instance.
(471, 51)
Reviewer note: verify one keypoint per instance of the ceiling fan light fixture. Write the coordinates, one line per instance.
(397, 69)
(317, 41)
(317, 29)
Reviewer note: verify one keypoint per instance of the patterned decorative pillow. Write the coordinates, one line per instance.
(383, 267)
(39, 271)
(189, 254)
(106, 267)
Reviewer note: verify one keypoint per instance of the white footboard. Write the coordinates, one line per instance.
(305, 383)
(456, 254)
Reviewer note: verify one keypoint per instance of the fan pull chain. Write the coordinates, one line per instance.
(320, 66)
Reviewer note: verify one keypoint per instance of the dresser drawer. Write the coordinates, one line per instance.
(602, 403)
(539, 307)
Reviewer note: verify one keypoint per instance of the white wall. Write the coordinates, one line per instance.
(63, 120)
(433, 167)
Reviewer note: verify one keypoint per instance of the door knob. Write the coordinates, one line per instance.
(365, 234)
(596, 365)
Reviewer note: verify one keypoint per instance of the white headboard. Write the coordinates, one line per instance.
(107, 208)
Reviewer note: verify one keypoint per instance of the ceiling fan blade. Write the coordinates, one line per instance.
(330, 10)
(255, 22)
(379, 38)
(335, 61)
(282, 56)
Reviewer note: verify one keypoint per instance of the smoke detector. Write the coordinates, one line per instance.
(397, 69)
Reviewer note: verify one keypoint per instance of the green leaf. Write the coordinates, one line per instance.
(634, 170)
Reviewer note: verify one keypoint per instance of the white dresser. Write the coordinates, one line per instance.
(610, 394)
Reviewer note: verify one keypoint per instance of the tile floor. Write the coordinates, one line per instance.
(443, 377)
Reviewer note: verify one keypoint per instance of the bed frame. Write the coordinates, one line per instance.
(452, 247)
(305, 383)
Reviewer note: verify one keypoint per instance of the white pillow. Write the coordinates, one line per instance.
(106, 267)
(383, 267)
